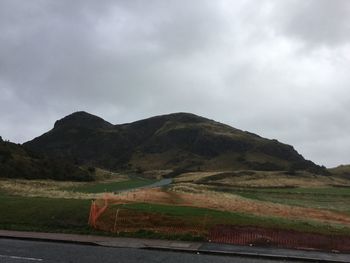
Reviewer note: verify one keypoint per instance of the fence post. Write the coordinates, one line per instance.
(91, 216)
(204, 222)
(115, 221)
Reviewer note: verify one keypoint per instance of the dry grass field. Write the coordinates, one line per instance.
(58, 189)
(42, 188)
(260, 179)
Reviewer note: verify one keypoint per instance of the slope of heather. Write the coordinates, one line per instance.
(17, 162)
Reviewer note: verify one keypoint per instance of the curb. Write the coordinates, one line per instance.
(271, 256)
(246, 254)
(88, 243)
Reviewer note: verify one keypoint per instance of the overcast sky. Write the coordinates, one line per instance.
(280, 69)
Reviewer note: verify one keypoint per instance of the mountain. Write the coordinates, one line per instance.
(178, 141)
(17, 162)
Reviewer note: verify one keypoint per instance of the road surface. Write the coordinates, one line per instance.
(20, 251)
(160, 183)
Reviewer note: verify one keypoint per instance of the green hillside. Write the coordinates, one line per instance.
(341, 170)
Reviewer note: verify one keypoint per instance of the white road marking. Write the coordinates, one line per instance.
(22, 258)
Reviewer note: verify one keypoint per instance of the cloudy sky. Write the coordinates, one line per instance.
(277, 68)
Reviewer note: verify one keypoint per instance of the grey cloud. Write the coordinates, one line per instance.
(316, 22)
(237, 62)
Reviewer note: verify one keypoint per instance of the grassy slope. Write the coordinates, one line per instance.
(261, 179)
(112, 186)
(329, 198)
(305, 190)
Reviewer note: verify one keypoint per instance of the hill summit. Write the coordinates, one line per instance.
(174, 141)
(81, 119)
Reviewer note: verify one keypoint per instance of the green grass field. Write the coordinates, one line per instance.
(112, 186)
(44, 214)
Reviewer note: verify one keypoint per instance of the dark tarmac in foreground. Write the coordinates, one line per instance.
(18, 251)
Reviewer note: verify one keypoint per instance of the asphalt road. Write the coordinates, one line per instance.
(160, 183)
(20, 251)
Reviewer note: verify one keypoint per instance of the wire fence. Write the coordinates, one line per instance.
(108, 216)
